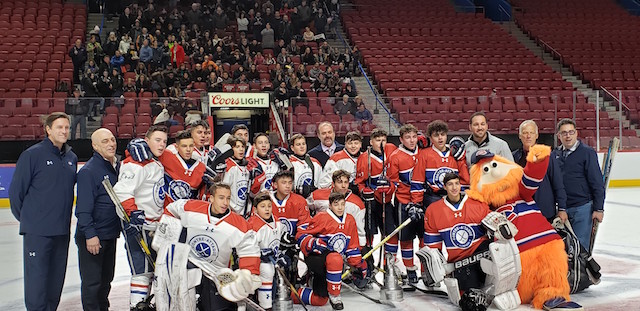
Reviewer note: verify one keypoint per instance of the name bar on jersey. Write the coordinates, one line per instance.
(238, 100)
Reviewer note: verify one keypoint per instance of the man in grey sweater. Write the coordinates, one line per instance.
(481, 139)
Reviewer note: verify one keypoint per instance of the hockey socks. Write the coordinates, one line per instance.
(139, 289)
(309, 297)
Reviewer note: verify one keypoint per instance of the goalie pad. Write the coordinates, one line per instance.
(174, 285)
(235, 285)
(168, 232)
(498, 226)
(434, 265)
(503, 270)
(453, 291)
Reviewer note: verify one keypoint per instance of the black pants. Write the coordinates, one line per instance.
(45, 265)
(471, 276)
(318, 269)
(96, 273)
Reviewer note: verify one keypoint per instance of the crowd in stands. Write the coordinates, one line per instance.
(172, 52)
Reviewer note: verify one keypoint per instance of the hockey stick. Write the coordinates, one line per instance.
(293, 288)
(361, 293)
(114, 198)
(433, 292)
(380, 244)
(607, 164)
(225, 278)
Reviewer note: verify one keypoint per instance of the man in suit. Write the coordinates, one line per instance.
(328, 145)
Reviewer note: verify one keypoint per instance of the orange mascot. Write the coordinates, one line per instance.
(508, 189)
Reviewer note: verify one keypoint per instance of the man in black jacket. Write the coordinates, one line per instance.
(328, 145)
(78, 56)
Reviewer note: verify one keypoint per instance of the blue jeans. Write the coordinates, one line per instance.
(580, 219)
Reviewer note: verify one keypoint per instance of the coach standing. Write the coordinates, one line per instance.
(41, 196)
(98, 225)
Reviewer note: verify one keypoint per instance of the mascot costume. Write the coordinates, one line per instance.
(508, 189)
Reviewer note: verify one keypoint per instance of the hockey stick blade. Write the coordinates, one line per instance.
(361, 293)
(433, 292)
(293, 288)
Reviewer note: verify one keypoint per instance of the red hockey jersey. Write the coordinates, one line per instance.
(292, 212)
(401, 169)
(339, 233)
(363, 174)
(458, 226)
(181, 180)
(433, 164)
(318, 201)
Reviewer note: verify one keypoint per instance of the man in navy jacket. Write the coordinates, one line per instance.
(328, 145)
(41, 198)
(98, 224)
(582, 181)
(550, 195)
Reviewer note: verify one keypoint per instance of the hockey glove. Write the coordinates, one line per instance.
(415, 211)
(456, 146)
(497, 225)
(306, 190)
(208, 177)
(367, 194)
(267, 255)
(423, 141)
(216, 159)
(474, 300)
(136, 221)
(361, 275)
(318, 246)
(283, 261)
(384, 187)
(281, 157)
(139, 150)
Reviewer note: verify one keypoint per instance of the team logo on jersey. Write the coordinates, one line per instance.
(275, 245)
(204, 247)
(242, 190)
(438, 176)
(159, 193)
(462, 235)
(287, 224)
(338, 242)
(305, 179)
(267, 184)
(179, 189)
(508, 212)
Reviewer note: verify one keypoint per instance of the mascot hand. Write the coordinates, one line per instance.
(538, 153)
(498, 226)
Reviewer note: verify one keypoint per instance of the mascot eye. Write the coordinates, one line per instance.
(494, 164)
(486, 169)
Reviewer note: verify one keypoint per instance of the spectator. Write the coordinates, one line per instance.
(320, 84)
(144, 35)
(343, 107)
(91, 94)
(281, 93)
(45, 214)
(78, 56)
(320, 22)
(343, 71)
(286, 28)
(304, 13)
(105, 65)
(94, 49)
(125, 44)
(242, 22)
(481, 139)
(356, 55)
(177, 54)
(194, 15)
(348, 90)
(257, 27)
(220, 21)
(112, 44)
(293, 48)
(146, 52)
(126, 21)
(302, 74)
(158, 56)
(116, 83)
(91, 67)
(583, 182)
(117, 61)
(143, 84)
(214, 83)
(78, 108)
(283, 58)
(253, 75)
(363, 114)
(269, 60)
(308, 58)
(328, 145)
(298, 96)
(550, 196)
(308, 35)
(198, 74)
(130, 86)
(315, 72)
(135, 32)
(259, 59)
(268, 37)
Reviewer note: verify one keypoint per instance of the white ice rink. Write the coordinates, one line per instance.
(617, 250)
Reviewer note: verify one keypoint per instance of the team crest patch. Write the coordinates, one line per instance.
(204, 247)
(462, 235)
(338, 242)
(267, 184)
(287, 224)
(242, 190)
(438, 176)
(159, 193)
(275, 245)
(305, 179)
(178, 189)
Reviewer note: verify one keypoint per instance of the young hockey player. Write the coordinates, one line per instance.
(183, 174)
(373, 183)
(318, 201)
(198, 131)
(343, 160)
(242, 131)
(440, 159)
(261, 147)
(269, 231)
(330, 235)
(462, 226)
(212, 232)
(306, 169)
(140, 188)
(239, 177)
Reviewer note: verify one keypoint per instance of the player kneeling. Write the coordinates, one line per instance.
(330, 235)
(194, 242)
(483, 270)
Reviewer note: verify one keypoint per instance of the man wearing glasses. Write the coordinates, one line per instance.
(582, 181)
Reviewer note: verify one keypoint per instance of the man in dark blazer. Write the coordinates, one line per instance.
(328, 145)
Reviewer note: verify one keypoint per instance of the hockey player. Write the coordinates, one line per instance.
(330, 235)
(343, 160)
(211, 232)
(183, 174)
(408, 198)
(461, 224)
(306, 169)
(270, 167)
(372, 181)
(269, 231)
(198, 131)
(318, 201)
(140, 188)
(242, 131)
(239, 176)
(440, 159)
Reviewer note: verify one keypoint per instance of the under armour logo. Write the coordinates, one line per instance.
(106, 177)
(49, 162)
(335, 287)
(458, 214)
(32, 254)
(445, 160)
(341, 226)
(281, 210)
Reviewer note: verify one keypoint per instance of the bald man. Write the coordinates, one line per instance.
(98, 225)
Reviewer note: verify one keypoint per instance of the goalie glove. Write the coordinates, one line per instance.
(456, 145)
(236, 285)
(415, 211)
(499, 227)
(139, 150)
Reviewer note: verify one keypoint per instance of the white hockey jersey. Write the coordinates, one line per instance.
(140, 186)
(237, 176)
(212, 239)
(200, 155)
(340, 160)
(303, 174)
(318, 201)
(268, 234)
(270, 168)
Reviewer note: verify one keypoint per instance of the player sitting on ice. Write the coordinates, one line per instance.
(509, 189)
(240, 176)
(268, 233)
(203, 234)
(330, 235)
(466, 228)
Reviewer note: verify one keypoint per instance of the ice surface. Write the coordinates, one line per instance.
(617, 250)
